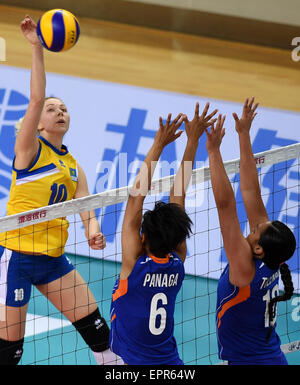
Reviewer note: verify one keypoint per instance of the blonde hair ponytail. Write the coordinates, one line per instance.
(18, 125)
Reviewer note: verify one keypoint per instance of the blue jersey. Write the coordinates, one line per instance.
(242, 317)
(142, 312)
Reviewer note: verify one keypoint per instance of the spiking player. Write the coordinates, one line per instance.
(44, 172)
(248, 287)
(153, 253)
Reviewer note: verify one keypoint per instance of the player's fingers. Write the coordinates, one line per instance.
(209, 123)
(27, 20)
(254, 116)
(177, 135)
(197, 109)
(183, 119)
(96, 236)
(97, 243)
(98, 247)
(212, 127)
(161, 124)
(245, 107)
(207, 131)
(218, 124)
(24, 22)
(205, 110)
(255, 107)
(223, 120)
(101, 244)
(211, 115)
(235, 117)
(175, 121)
(251, 102)
(169, 119)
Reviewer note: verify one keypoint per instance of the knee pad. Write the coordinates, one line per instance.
(94, 330)
(11, 351)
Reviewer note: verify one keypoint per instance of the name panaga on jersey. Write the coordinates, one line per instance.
(142, 312)
(52, 178)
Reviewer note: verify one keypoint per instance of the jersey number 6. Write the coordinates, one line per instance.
(156, 311)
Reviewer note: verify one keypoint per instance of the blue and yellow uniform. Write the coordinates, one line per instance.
(242, 319)
(142, 312)
(52, 178)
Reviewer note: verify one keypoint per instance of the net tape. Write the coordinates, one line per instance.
(115, 196)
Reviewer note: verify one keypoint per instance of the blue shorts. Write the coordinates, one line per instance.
(19, 271)
(138, 356)
(279, 360)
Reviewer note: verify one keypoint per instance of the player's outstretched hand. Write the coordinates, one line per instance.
(216, 134)
(28, 28)
(243, 124)
(195, 128)
(168, 132)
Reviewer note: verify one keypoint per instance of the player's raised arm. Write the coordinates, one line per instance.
(194, 130)
(26, 146)
(238, 251)
(131, 239)
(249, 183)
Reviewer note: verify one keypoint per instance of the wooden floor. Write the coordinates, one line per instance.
(165, 60)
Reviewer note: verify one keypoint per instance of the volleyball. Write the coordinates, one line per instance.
(58, 30)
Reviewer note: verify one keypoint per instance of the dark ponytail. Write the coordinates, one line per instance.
(288, 292)
(279, 244)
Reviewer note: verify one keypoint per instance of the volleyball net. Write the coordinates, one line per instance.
(51, 339)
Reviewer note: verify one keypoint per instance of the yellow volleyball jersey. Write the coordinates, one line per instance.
(52, 178)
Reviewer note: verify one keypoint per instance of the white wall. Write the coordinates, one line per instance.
(278, 11)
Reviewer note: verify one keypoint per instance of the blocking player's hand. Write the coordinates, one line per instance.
(243, 124)
(168, 132)
(216, 134)
(195, 128)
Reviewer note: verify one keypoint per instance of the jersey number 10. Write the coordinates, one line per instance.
(58, 193)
